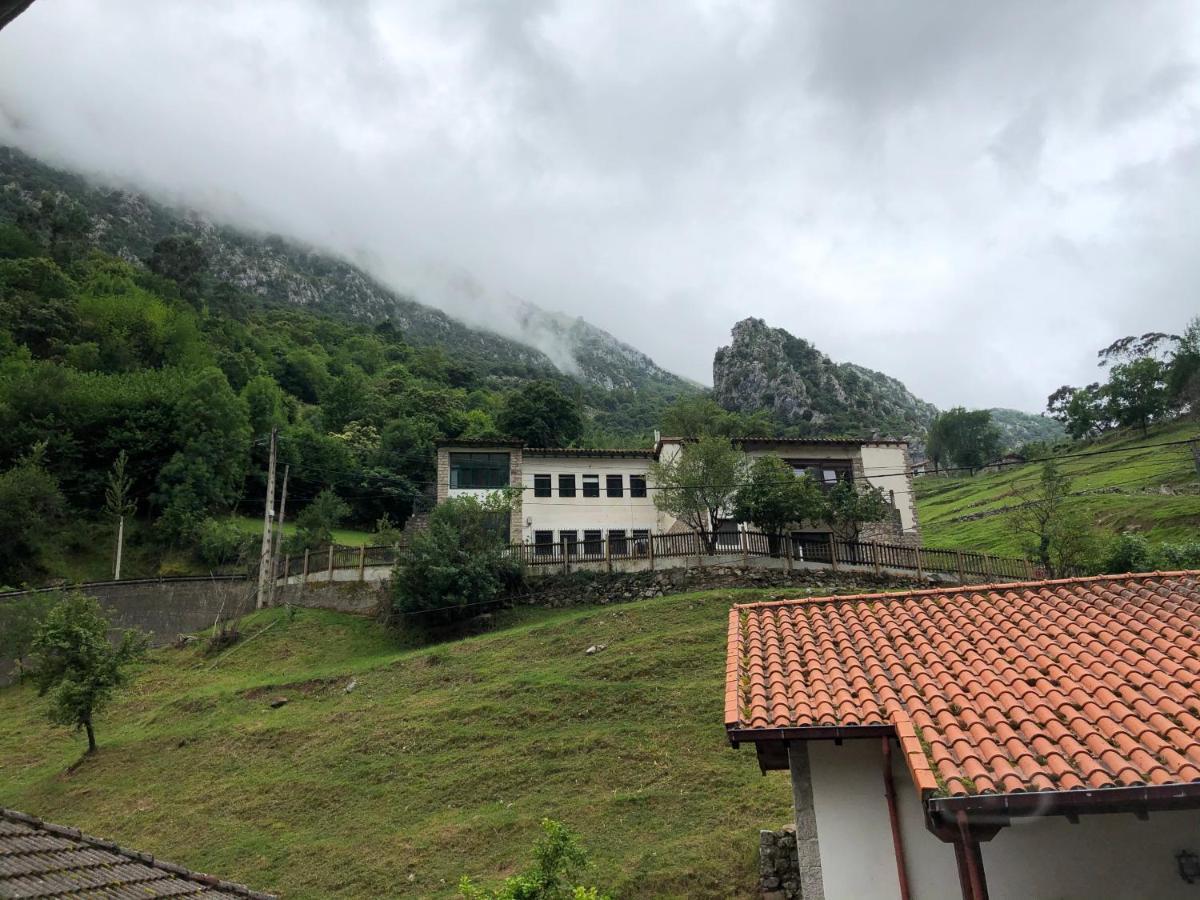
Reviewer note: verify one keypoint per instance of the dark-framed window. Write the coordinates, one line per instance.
(728, 535)
(541, 485)
(591, 485)
(543, 543)
(479, 470)
(615, 486)
(570, 542)
(825, 472)
(593, 541)
(637, 485)
(641, 541)
(566, 485)
(617, 544)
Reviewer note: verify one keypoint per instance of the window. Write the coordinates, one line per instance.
(566, 485)
(570, 542)
(478, 470)
(641, 540)
(593, 541)
(825, 472)
(616, 486)
(728, 536)
(543, 543)
(541, 486)
(617, 545)
(637, 485)
(591, 485)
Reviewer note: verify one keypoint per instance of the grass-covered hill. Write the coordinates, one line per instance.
(1152, 491)
(441, 762)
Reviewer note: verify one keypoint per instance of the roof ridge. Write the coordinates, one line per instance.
(148, 859)
(958, 589)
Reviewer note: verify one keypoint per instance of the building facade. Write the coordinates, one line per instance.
(582, 497)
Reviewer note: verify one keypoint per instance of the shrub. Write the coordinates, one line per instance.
(458, 566)
(1130, 553)
(221, 541)
(1180, 556)
(315, 524)
(559, 862)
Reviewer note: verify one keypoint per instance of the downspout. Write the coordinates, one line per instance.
(889, 790)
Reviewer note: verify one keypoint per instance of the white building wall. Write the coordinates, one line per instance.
(1111, 856)
(886, 468)
(580, 513)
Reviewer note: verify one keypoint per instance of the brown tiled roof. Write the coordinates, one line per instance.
(1075, 684)
(38, 859)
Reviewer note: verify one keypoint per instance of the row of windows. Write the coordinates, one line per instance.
(621, 543)
(614, 485)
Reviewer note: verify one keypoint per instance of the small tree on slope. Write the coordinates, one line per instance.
(77, 665)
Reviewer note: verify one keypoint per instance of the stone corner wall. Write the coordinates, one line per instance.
(778, 864)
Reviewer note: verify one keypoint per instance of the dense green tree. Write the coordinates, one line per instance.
(30, 504)
(315, 523)
(849, 506)
(1050, 532)
(38, 305)
(182, 259)
(698, 485)
(541, 415)
(967, 438)
(1183, 375)
(1136, 392)
(773, 497)
(1082, 410)
(700, 415)
(457, 567)
(77, 665)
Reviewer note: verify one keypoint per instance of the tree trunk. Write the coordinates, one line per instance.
(87, 724)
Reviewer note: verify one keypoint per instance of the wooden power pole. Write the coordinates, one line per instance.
(278, 538)
(265, 561)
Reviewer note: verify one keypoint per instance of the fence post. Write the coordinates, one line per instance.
(608, 552)
(987, 566)
(563, 549)
(744, 540)
(832, 552)
(362, 563)
(920, 566)
(875, 557)
(304, 577)
(961, 578)
(331, 563)
(651, 543)
(287, 568)
(1028, 570)
(787, 552)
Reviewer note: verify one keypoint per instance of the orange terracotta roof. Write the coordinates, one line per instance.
(996, 689)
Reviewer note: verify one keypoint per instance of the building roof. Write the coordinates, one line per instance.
(38, 859)
(1071, 685)
(616, 453)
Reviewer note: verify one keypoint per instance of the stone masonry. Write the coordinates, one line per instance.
(778, 865)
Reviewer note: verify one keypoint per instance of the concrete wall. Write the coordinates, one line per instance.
(1113, 856)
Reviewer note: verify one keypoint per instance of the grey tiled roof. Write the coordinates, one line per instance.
(38, 859)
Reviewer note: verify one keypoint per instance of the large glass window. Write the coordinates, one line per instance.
(591, 485)
(541, 485)
(637, 485)
(825, 472)
(543, 543)
(617, 543)
(478, 470)
(593, 542)
(566, 485)
(615, 484)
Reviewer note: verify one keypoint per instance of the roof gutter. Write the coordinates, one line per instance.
(808, 733)
(997, 809)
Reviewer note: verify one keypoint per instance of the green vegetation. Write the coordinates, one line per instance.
(440, 762)
(962, 438)
(559, 861)
(698, 485)
(772, 497)
(1153, 491)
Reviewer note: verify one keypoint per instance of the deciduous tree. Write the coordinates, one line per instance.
(541, 415)
(698, 485)
(772, 497)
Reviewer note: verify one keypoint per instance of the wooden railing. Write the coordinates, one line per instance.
(825, 550)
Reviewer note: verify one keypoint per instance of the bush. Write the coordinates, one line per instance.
(315, 524)
(221, 542)
(1180, 556)
(1133, 553)
(559, 862)
(458, 567)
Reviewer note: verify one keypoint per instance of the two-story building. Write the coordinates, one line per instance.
(580, 497)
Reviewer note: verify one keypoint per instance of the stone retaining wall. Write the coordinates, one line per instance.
(778, 864)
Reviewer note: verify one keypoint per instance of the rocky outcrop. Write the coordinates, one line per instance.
(768, 368)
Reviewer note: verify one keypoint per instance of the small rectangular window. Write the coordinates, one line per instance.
(541, 485)
(591, 485)
(637, 485)
(566, 485)
(641, 540)
(570, 542)
(617, 544)
(543, 543)
(616, 486)
(593, 542)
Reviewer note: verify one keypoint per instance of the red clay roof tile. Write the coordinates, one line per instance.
(1054, 685)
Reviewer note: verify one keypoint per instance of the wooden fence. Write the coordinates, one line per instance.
(606, 550)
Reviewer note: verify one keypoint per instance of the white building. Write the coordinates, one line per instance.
(582, 496)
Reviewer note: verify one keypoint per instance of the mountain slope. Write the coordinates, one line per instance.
(1018, 428)
(279, 271)
(768, 368)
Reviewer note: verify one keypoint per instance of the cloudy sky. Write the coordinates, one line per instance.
(971, 197)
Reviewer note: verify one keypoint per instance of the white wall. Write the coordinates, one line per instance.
(1112, 856)
(885, 468)
(579, 513)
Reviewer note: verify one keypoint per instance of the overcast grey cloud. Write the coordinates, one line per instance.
(970, 197)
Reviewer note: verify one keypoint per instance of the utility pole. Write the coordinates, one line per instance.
(278, 537)
(265, 558)
(120, 546)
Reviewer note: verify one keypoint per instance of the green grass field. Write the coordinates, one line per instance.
(1156, 494)
(347, 537)
(441, 762)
